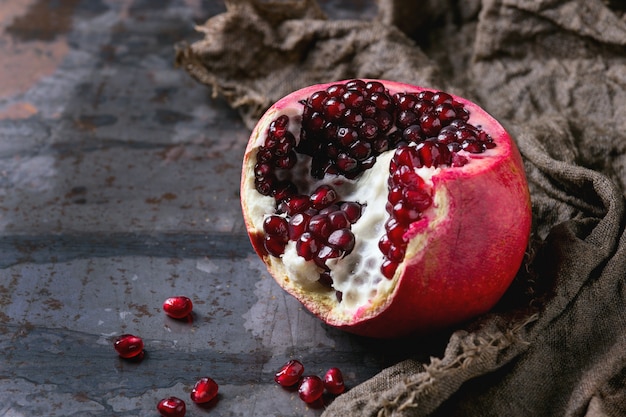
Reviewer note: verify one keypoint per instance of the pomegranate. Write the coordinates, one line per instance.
(128, 346)
(204, 390)
(311, 389)
(178, 307)
(386, 208)
(172, 407)
(289, 374)
(333, 381)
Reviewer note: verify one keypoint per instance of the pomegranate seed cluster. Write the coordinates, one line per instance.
(130, 347)
(343, 130)
(310, 387)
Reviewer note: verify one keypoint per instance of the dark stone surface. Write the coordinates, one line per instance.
(119, 182)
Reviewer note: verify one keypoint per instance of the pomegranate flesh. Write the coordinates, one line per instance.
(386, 208)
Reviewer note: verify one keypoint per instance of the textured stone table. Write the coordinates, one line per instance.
(119, 184)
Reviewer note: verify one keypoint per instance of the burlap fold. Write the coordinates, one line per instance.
(554, 73)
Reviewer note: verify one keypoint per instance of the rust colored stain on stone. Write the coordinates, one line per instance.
(33, 45)
(44, 20)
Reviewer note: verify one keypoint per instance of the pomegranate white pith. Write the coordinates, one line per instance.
(462, 251)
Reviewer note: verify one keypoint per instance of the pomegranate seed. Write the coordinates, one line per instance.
(274, 245)
(430, 124)
(325, 253)
(290, 373)
(356, 85)
(368, 129)
(178, 307)
(316, 100)
(342, 239)
(298, 225)
(276, 226)
(307, 246)
(336, 90)
(128, 346)
(333, 381)
(441, 98)
(204, 391)
(375, 87)
(320, 226)
(338, 219)
(395, 253)
(323, 196)
(311, 389)
(334, 108)
(404, 213)
(346, 163)
(388, 268)
(278, 127)
(353, 99)
(417, 199)
(352, 210)
(172, 407)
(347, 136)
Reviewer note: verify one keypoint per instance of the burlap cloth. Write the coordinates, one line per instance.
(554, 73)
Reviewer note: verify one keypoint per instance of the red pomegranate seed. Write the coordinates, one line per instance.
(128, 346)
(311, 389)
(334, 108)
(307, 246)
(320, 226)
(338, 219)
(276, 226)
(297, 225)
(375, 87)
(178, 307)
(333, 381)
(294, 204)
(342, 239)
(316, 100)
(352, 210)
(388, 268)
(325, 253)
(204, 391)
(290, 373)
(323, 196)
(172, 407)
(274, 245)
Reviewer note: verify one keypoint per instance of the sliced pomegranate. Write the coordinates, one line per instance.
(333, 381)
(311, 389)
(172, 407)
(289, 374)
(402, 209)
(204, 390)
(178, 307)
(128, 346)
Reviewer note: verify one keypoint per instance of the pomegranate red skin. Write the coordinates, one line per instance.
(469, 259)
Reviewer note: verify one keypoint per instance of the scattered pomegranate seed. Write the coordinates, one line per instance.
(128, 346)
(311, 389)
(289, 374)
(333, 381)
(178, 307)
(172, 407)
(204, 391)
